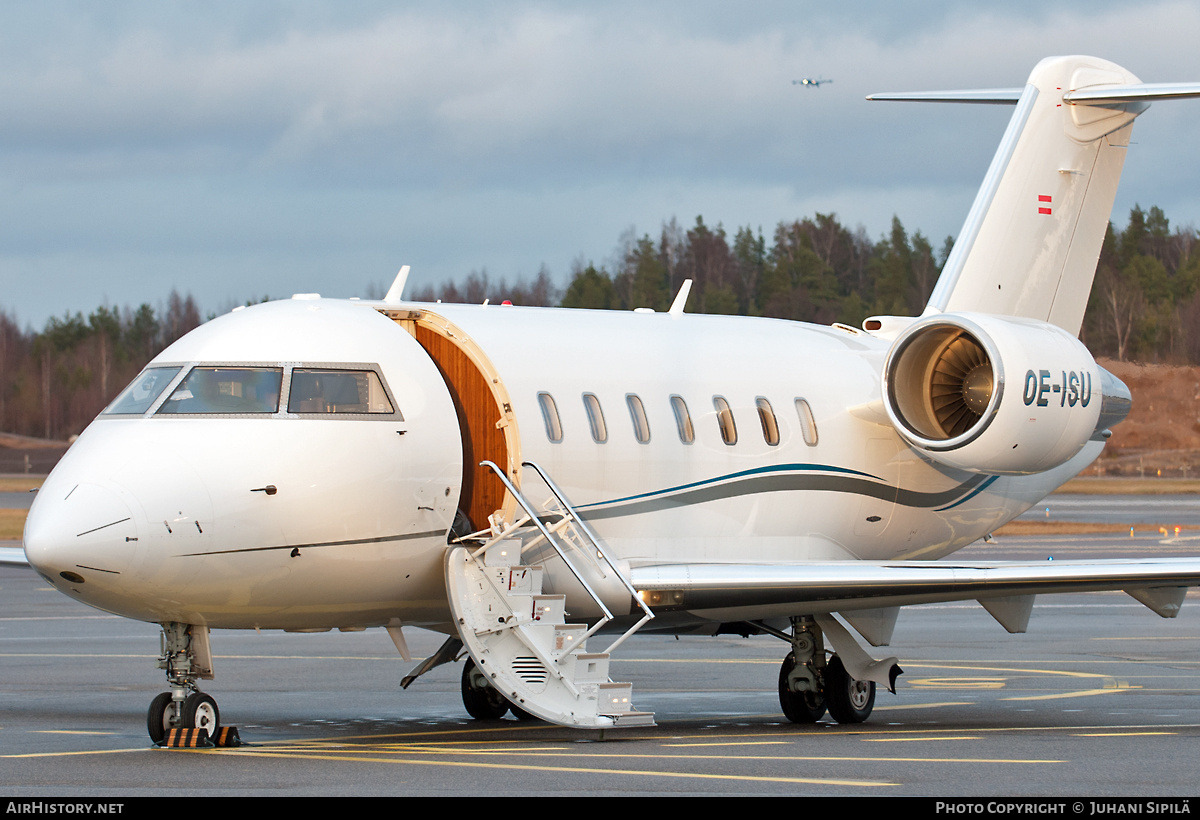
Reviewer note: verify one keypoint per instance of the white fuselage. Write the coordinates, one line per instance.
(166, 517)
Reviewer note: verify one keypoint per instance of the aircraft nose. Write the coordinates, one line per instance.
(79, 532)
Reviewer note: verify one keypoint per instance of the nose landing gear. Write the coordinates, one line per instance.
(185, 656)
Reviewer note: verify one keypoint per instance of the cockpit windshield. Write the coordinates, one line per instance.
(226, 390)
(142, 391)
(326, 390)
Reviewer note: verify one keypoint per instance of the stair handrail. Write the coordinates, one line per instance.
(585, 528)
(591, 536)
(533, 517)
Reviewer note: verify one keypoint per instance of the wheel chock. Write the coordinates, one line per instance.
(187, 739)
(227, 737)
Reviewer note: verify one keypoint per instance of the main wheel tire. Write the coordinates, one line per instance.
(849, 700)
(200, 712)
(798, 707)
(521, 714)
(158, 718)
(483, 703)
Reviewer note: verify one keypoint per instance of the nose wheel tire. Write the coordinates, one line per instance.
(849, 700)
(158, 717)
(798, 707)
(200, 712)
(482, 700)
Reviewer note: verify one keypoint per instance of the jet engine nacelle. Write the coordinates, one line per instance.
(997, 394)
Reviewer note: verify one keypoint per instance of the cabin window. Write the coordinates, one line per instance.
(550, 416)
(324, 390)
(143, 391)
(683, 420)
(725, 420)
(808, 425)
(595, 417)
(641, 427)
(226, 390)
(766, 416)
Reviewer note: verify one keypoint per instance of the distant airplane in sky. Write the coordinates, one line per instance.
(809, 81)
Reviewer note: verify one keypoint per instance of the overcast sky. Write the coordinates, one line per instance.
(236, 149)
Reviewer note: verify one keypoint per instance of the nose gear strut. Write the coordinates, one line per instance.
(185, 656)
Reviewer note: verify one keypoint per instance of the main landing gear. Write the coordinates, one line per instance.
(483, 701)
(809, 683)
(186, 657)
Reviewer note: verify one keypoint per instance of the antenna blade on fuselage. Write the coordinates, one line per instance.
(395, 292)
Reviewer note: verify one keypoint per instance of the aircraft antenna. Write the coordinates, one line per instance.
(397, 288)
(681, 298)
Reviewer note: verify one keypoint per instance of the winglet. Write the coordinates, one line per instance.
(397, 288)
(681, 298)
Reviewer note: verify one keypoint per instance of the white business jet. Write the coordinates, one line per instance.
(526, 480)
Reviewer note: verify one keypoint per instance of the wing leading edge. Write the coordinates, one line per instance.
(729, 592)
(13, 556)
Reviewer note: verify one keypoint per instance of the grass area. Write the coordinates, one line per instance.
(12, 524)
(1131, 486)
(20, 484)
(1076, 528)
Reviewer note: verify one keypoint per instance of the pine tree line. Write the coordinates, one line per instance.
(1145, 303)
(54, 382)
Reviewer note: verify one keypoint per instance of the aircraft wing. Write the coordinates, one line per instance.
(13, 556)
(1006, 589)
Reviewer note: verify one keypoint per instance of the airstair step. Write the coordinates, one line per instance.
(503, 553)
(585, 667)
(517, 580)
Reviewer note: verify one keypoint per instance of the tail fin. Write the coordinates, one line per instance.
(1031, 240)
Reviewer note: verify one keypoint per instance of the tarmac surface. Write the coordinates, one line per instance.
(1100, 698)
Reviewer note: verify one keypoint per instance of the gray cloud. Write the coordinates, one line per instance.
(233, 149)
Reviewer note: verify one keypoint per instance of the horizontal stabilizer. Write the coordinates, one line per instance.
(1142, 92)
(1093, 95)
(982, 96)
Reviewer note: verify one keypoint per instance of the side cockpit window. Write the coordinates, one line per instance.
(143, 391)
(325, 390)
(226, 390)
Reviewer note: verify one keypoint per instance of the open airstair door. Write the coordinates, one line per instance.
(485, 417)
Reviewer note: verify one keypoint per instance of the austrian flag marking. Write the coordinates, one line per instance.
(1044, 209)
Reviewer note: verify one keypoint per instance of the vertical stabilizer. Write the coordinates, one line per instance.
(1031, 240)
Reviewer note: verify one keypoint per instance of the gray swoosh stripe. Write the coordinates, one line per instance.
(788, 483)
